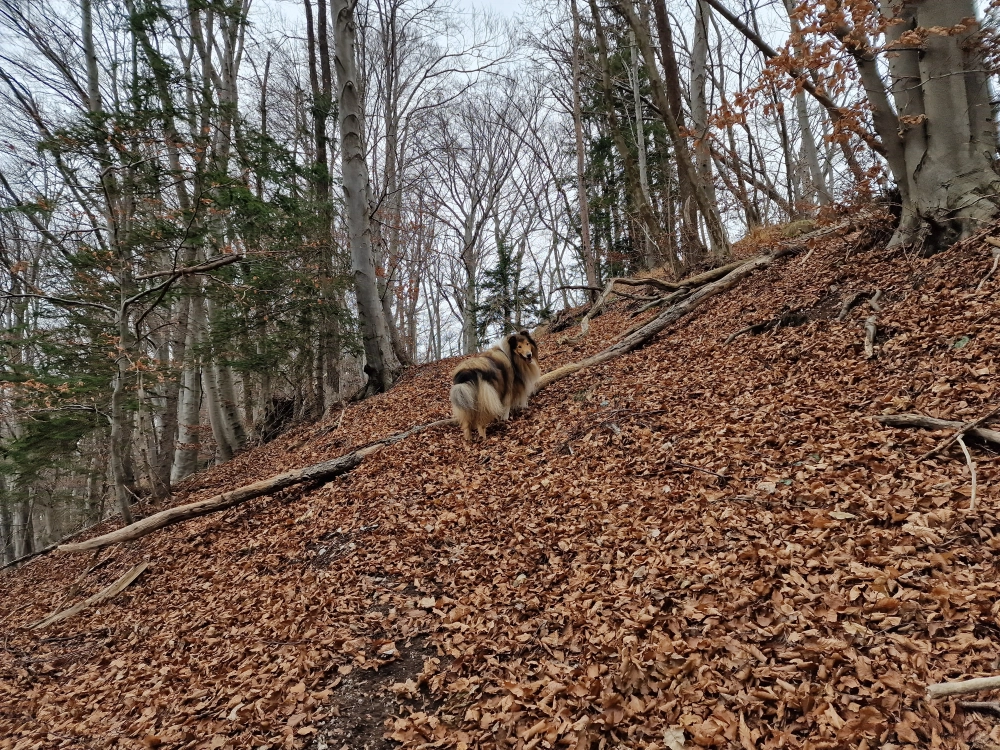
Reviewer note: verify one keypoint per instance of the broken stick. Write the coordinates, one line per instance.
(972, 469)
(106, 593)
(944, 689)
(870, 332)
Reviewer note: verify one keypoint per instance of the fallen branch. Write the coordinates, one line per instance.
(930, 423)
(644, 333)
(962, 429)
(676, 288)
(49, 548)
(944, 689)
(113, 590)
(660, 302)
(972, 470)
(317, 472)
(870, 332)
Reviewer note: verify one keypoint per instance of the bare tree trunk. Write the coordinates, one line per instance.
(699, 102)
(647, 220)
(652, 252)
(949, 130)
(586, 248)
(682, 155)
(690, 241)
(380, 366)
(189, 401)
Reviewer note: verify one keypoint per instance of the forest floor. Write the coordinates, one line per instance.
(694, 545)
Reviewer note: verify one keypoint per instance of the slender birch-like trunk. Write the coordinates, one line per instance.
(380, 366)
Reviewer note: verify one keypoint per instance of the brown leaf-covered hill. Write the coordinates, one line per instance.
(694, 545)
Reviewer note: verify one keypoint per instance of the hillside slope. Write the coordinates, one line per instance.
(696, 544)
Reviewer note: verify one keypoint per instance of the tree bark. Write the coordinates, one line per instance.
(682, 155)
(949, 185)
(586, 248)
(379, 365)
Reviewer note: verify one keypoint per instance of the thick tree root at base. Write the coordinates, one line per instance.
(338, 466)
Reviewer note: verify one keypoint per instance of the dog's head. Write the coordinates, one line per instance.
(523, 346)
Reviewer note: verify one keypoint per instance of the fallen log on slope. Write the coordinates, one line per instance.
(337, 466)
(672, 287)
(316, 472)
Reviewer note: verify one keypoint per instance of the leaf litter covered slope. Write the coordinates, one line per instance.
(574, 581)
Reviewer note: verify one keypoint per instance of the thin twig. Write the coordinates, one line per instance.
(682, 465)
(972, 469)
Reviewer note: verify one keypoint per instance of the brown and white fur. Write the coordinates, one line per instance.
(491, 385)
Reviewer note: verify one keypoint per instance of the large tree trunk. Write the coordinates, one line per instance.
(691, 245)
(950, 184)
(380, 365)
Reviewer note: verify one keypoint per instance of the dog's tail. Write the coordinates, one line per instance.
(471, 393)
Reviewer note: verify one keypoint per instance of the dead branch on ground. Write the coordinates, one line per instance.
(106, 593)
(944, 689)
(317, 472)
(962, 429)
(996, 260)
(930, 423)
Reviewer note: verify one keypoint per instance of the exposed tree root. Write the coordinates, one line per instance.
(342, 465)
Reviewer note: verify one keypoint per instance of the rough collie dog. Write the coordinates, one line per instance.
(489, 386)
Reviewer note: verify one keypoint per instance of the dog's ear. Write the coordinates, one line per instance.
(527, 335)
(512, 342)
